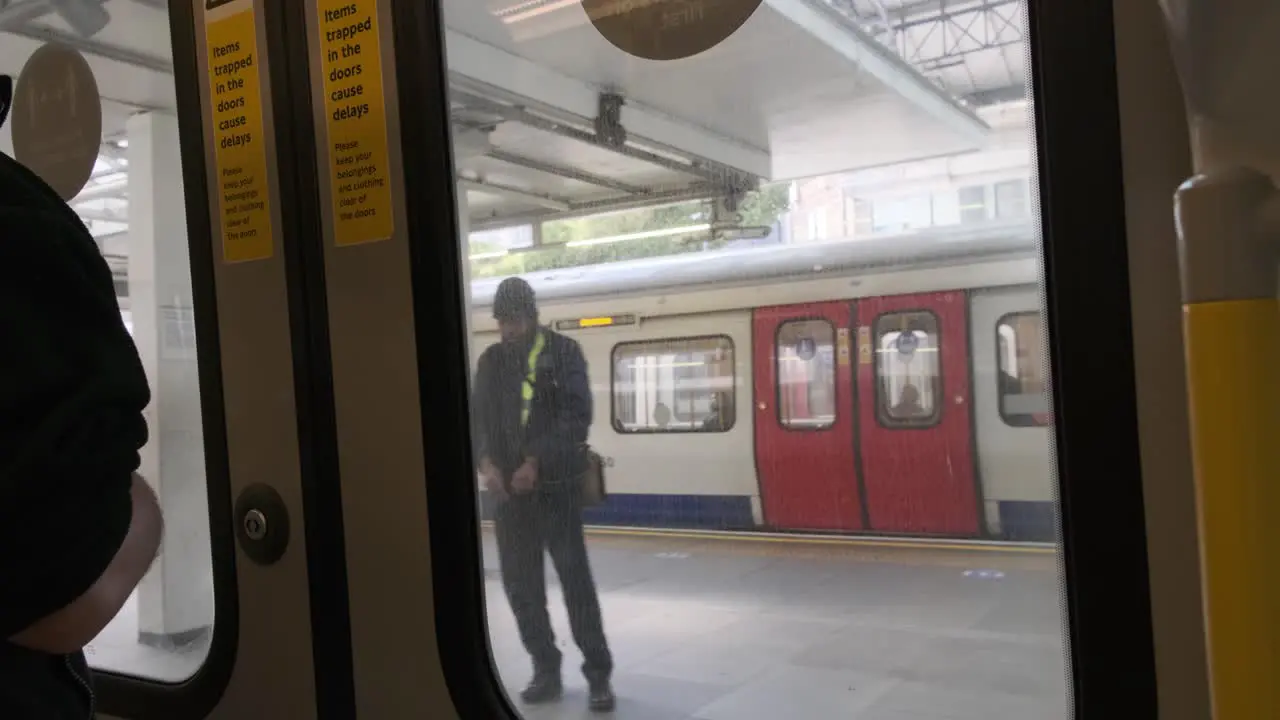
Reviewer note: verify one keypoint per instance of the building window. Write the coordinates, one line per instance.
(674, 385)
(902, 214)
(1012, 200)
(818, 224)
(973, 204)
(806, 374)
(946, 208)
(1021, 367)
(859, 219)
(908, 369)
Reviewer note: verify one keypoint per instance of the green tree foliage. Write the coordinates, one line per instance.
(762, 207)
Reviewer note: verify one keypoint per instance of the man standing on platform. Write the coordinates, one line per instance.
(532, 412)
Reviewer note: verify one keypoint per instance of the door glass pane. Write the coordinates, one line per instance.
(806, 374)
(133, 206)
(1024, 398)
(711, 172)
(908, 369)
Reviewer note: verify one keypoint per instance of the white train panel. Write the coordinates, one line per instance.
(1012, 410)
(673, 419)
(946, 259)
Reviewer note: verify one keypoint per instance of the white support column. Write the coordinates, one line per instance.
(175, 600)
(464, 243)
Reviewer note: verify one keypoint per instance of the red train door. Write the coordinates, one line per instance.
(915, 439)
(804, 417)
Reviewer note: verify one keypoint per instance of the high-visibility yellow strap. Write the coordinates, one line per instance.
(1233, 372)
(526, 388)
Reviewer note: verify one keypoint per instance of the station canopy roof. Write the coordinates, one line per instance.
(803, 88)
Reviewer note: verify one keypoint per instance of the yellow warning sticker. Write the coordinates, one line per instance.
(356, 118)
(842, 346)
(864, 345)
(240, 152)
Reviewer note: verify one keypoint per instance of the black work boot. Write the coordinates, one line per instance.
(544, 687)
(600, 697)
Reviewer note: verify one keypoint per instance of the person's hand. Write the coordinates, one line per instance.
(526, 477)
(492, 479)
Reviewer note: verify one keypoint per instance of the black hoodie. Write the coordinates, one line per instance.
(72, 393)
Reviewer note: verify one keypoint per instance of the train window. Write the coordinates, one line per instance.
(908, 369)
(837, 263)
(1021, 364)
(806, 375)
(674, 385)
(133, 205)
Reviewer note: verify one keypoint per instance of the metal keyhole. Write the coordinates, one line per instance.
(255, 525)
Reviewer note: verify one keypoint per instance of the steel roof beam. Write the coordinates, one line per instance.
(565, 172)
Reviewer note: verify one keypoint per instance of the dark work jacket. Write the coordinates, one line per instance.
(72, 392)
(559, 416)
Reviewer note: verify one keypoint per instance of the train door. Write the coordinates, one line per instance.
(1011, 412)
(915, 430)
(804, 419)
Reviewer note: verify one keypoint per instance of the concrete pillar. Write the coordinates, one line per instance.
(175, 600)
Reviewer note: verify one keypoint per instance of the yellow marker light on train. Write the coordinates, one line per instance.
(595, 322)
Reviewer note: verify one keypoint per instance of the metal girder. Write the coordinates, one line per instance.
(564, 171)
(694, 193)
(707, 171)
(707, 180)
(944, 31)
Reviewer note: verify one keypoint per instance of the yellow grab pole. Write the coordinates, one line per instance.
(1230, 259)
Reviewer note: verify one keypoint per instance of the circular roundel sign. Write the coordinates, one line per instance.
(57, 118)
(667, 29)
(806, 348)
(908, 342)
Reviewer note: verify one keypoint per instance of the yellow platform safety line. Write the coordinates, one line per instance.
(849, 541)
(1233, 368)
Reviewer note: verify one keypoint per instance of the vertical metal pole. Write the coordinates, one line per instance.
(1229, 246)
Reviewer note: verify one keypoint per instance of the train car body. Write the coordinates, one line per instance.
(893, 385)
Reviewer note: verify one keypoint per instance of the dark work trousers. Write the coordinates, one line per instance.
(525, 525)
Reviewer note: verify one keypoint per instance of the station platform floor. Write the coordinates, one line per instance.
(776, 628)
(705, 628)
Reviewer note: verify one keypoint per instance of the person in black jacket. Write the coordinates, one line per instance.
(78, 529)
(532, 412)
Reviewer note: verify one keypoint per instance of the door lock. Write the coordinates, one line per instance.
(262, 524)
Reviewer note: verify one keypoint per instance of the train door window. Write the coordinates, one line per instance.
(908, 370)
(806, 375)
(855, 417)
(1021, 364)
(674, 385)
(132, 203)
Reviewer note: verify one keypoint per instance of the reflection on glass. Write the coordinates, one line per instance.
(816, 252)
(133, 205)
